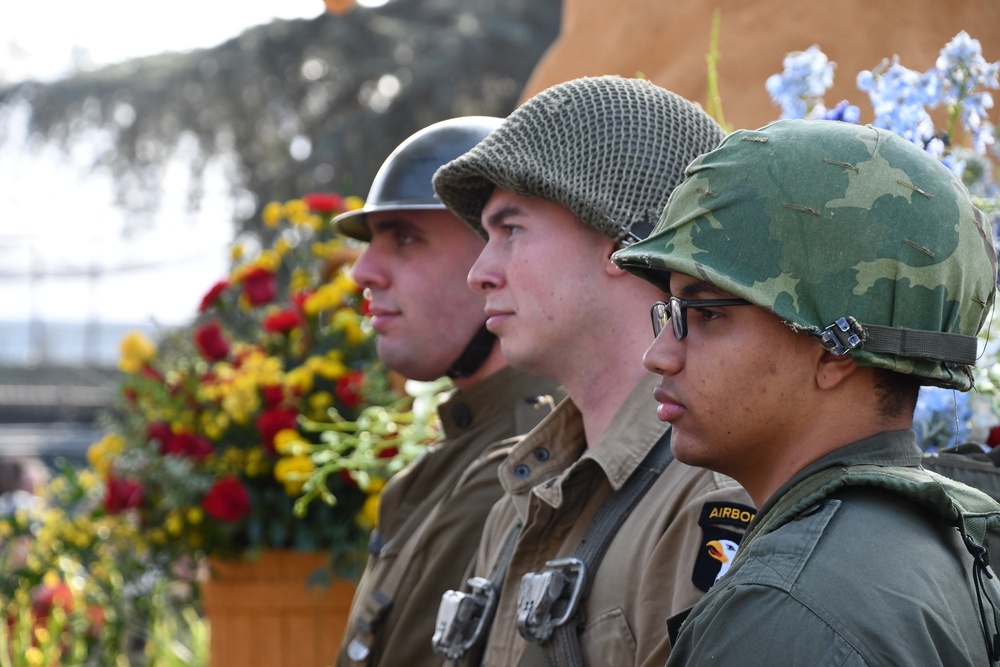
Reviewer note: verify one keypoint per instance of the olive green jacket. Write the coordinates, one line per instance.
(863, 576)
(555, 485)
(431, 515)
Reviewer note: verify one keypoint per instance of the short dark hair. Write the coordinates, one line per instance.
(896, 392)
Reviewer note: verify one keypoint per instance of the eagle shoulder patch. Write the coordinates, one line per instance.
(722, 526)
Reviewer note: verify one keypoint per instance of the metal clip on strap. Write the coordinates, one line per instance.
(547, 599)
(462, 617)
(846, 334)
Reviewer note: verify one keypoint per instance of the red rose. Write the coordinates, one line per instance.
(213, 295)
(211, 342)
(993, 439)
(187, 445)
(159, 431)
(227, 500)
(259, 286)
(348, 389)
(272, 394)
(121, 495)
(271, 421)
(282, 321)
(320, 202)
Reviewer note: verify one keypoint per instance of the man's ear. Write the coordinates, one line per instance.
(609, 266)
(832, 369)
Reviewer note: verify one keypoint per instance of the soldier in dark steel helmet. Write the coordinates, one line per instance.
(819, 273)
(430, 324)
(570, 176)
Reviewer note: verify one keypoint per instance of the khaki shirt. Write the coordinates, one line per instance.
(431, 515)
(555, 485)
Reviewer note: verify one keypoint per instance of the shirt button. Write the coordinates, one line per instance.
(541, 454)
(522, 471)
(461, 415)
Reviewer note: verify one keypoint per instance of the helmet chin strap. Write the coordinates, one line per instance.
(474, 354)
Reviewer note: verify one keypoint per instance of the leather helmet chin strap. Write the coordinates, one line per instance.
(474, 354)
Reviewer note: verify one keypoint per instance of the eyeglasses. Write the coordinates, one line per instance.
(675, 312)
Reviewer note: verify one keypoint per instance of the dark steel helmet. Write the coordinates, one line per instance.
(403, 182)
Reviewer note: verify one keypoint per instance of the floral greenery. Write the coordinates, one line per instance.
(223, 435)
(902, 100)
(211, 442)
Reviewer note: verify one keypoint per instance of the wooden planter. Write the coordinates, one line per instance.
(262, 614)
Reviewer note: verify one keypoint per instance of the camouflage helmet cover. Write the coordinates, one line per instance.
(403, 182)
(831, 226)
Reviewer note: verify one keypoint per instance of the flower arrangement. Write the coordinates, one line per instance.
(903, 101)
(211, 443)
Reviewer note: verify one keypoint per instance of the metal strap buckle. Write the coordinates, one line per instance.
(839, 338)
(541, 593)
(462, 617)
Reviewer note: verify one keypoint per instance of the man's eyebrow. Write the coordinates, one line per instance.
(497, 218)
(386, 225)
(700, 288)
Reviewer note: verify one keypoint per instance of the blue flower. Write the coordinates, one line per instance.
(806, 77)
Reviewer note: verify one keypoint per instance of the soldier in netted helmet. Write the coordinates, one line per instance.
(428, 324)
(819, 273)
(600, 536)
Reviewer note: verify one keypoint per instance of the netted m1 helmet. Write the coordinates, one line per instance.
(609, 149)
(403, 182)
(850, 233)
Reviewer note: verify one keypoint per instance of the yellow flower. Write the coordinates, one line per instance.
(273, 214)
(353, 202)
(174, 523)
(299, 380)
(236, 252)
(34, 656)
(319, 402)
(195, 515)
(349, 322)
(286, 441)
(300, 280)
(103, 452)
(328, 366)
(135, 351)
(297, 211)
(293, 471)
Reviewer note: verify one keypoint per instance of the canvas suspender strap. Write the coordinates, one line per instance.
(378, 604)
(563, 646)
(969, 509)
(474, 655)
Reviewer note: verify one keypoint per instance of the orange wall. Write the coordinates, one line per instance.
(667, 40)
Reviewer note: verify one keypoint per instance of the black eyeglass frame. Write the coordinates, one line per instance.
(675, 311)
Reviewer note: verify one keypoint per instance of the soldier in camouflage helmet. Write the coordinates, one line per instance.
(819, 273)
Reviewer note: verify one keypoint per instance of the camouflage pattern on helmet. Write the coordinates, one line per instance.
(820, 220)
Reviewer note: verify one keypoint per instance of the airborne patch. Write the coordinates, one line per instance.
(722, 526)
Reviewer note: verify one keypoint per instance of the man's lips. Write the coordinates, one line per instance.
(496, 317)
(669, 408)
(382, 318)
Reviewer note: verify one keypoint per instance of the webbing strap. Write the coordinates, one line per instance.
(932, 345)
(474, 656)
(563, 648)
